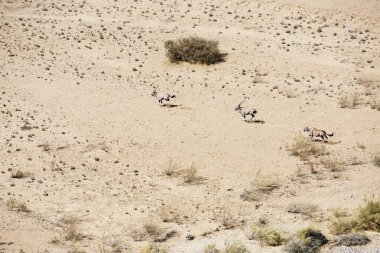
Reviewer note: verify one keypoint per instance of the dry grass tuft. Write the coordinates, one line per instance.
(155, 248)
(211, 248)
(259, 187)
(349, 101)
(194, 50)
(303, 147)
(18, 174)
(19, 206)
(173, 169)
(266, 236)
(191, 175)
(70, 228)
(235, 247)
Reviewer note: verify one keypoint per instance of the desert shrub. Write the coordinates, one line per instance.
(304, 148)
(307, 241)
(259, 187)
(366, 218)
(194, 50)
(15, 205)
(349, 101)
(376, 159)
(352, 239)
(266, 236)
(155, 248)
(302, 208)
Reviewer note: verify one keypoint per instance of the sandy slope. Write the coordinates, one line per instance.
(77, 116)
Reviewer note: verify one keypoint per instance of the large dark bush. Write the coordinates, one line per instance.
(307, 241)
(194, 50)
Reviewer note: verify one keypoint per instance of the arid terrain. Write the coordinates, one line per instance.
(90, 162)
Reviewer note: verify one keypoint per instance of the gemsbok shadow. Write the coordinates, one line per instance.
(169, 105)
(254, 121)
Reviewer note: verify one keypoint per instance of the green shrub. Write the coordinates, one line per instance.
(367, 217)
(267, 236)
(194, 50)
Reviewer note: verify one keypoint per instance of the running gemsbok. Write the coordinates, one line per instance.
(245, 111)
(160, 96)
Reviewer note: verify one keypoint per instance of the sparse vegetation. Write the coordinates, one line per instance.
(225, 217)
(15, 205)
(332, 163)
(194, 50)
(259, 187)
(304, 148)
(266, 236)
(70, 228)
(170, 213)
(366, 218)
(149, 230)
(306, 241)
(353, 239)
(349, 101)
(110, 245)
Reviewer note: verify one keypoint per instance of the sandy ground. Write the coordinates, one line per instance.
(78, 119)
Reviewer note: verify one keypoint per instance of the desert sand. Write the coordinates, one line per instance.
(77, 119)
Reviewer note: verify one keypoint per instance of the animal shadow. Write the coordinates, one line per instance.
(256, 121)
(170, 105)
(326, 141)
